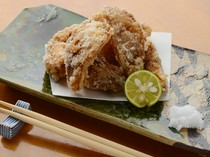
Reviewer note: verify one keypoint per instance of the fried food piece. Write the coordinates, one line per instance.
(55, 51)
(153, 63)
(132, 49)
(105, 74)
(83, 47)
(128, 39)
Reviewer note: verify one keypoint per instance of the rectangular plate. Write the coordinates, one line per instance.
(21, 66)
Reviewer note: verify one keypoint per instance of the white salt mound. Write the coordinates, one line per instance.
(185, 117)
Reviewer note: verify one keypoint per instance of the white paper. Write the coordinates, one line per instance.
(162, 42)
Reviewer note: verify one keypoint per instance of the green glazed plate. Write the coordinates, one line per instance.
(21, 66)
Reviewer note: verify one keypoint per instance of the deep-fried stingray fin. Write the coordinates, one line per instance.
(105, 74)
(128, 39)
(54, 56)
(83, 47)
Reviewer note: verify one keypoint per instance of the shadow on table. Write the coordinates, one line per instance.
(46, 143)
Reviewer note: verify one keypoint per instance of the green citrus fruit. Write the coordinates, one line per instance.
(143, 88)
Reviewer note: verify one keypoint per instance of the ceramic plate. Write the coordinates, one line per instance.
(21, 52)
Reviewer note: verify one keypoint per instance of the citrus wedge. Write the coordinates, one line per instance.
(143, 88)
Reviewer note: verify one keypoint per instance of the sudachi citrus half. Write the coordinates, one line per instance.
(143, 88)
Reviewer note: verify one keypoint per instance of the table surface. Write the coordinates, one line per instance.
(34, 141)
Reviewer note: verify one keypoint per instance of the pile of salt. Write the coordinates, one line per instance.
(185, 117)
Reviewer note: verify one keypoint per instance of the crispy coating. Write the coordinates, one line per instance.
(83, 47)
(105, 74)
(128, 39)
(55, 51)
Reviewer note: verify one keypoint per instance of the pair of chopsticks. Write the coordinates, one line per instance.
(98, 143)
